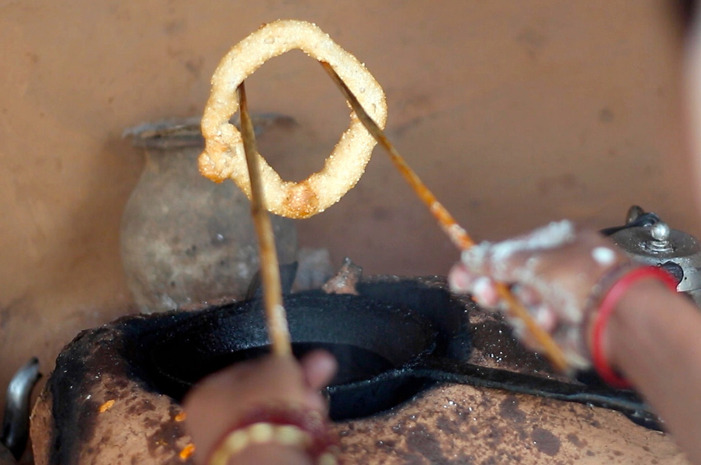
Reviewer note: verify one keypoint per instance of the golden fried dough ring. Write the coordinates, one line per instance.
(224, 157)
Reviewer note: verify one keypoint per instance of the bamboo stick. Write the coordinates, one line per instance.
(275, 314)
(455, 232)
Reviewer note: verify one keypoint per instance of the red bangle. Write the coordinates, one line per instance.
(608, 303)
(306, 430)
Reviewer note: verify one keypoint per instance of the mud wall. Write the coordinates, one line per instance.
(515, 113)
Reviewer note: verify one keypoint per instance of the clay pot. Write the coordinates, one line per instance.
(185, 239)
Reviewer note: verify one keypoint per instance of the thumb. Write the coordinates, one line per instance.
(318, 368)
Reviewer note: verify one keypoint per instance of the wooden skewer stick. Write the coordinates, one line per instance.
(275, 316)
(455, 232)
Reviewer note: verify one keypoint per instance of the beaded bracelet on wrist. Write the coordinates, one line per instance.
(302, 429)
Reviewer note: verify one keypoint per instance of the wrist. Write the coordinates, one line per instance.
(643, 298)
(271, 453)
(303, 431)
(621, 299)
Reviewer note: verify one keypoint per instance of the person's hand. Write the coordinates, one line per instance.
(554, 271)
(222, 399)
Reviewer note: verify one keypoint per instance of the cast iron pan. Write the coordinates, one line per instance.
(387, 353)
(367, 337)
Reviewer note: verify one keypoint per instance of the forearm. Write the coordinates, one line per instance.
(654, 338)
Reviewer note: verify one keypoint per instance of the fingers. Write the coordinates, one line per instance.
(484, 292)
(482, 288)
(545, 317)
(318, 368)
(460, 279)
(504, 261)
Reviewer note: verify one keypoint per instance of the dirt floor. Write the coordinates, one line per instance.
(515, 113)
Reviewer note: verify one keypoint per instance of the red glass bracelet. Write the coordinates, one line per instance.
(608, 303)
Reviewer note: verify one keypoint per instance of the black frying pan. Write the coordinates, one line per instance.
(367, 337)
(386, 353)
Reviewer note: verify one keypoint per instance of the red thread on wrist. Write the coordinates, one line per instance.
(608, 304)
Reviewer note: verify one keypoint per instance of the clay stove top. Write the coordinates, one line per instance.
(109, 402)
